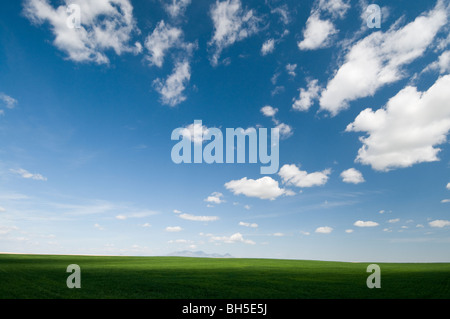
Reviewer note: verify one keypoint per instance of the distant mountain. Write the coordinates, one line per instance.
(187, 253)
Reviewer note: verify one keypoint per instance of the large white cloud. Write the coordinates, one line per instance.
(105, 25)
(292, 175)
(378, 59)
(265, 188)
(231, 23)
(407, 129)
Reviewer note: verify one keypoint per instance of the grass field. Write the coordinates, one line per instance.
(42, 276)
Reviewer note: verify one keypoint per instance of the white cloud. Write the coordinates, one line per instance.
(395, 220)
(263, 188)
(160, 41)
(317, 33)
(305, 233)
(285, 130)
(448, 186)
(173, 229)
(177, 7)
(231, 23)
(2, 209)
(439, 223)
(121, 217)
(195, 132)
(290, 68)
(25, 174)
(420, 226)
(235, 238)
(268, 47)
(352, 175)
(278, 234)
(252, 225)
(137, 214)
(176, 211)
(360, 223)
(387, 230)
(377, 60)
(337, 8)
(215, 198)
(307, 97)
(105, 25)
(8, 101)
(269, 111)
(442, 64)
(146, 225)
(292, 175)
(382, 211)
(406, 130)
(349, 231)
(247, 207)
(171, 90)
(198, 218)
(324, 230)
(445, 201)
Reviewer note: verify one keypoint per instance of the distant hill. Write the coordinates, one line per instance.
(187, 253)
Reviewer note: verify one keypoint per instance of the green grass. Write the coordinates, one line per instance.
(42, 276)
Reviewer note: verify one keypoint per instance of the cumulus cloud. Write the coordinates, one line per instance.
(378, 59)
(215, 198)
(198, 218)
(394, 220)
(231, 23)
(278, 234)
(307, 97)
(352, 175)
(252, 225)
(439, 223)
(171, 89)
(25, 174)
(264, 188)
(445, 201)
(285, 130)
(176, 211)
(173, 229)
(324, 230)
(105, 25)
(448, 186)
(305, 233)
(406, 131)
(349, 231)
(269, 111)
(442, 64)
(360, 223)
(317, 33)
(292, 175)
(160, 41)
(268, 46)
(235, 238)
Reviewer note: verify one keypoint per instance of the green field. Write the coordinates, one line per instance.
(42, 276)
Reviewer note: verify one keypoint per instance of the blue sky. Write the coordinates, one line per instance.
(86, 116)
